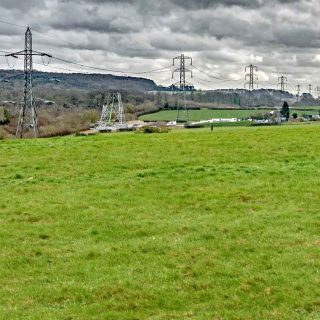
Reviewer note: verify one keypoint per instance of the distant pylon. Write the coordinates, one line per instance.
(282, 82)
(182, 70)
(318, 92)
(298, 90)
(252, 77)
(310, 88)
(28, 114)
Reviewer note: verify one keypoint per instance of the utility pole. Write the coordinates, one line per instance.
(28, 114)
(282, 82)
(182, 82)
(252, 69)
(310, 88)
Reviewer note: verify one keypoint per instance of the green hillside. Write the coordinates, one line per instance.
(180, 225)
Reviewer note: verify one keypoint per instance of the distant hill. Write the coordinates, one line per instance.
(244, 98)
(255, 98)
(80, 89)
(80, 81)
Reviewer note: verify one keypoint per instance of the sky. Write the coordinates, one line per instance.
(280, 37)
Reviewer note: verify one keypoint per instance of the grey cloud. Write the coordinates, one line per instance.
(221, 35)
(204, 4)
(19, 5)
(298, 37)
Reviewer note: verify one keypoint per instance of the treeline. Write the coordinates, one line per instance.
(68, 91)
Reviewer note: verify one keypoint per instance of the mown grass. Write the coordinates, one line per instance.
(181, 225)
(205, 114)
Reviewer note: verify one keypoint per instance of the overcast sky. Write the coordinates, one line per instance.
(281, 37)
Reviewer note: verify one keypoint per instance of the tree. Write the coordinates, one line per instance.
(6, 117)
(285, 111)
(295, 115)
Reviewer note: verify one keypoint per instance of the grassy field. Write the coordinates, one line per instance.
(180, 225)
(205, 114)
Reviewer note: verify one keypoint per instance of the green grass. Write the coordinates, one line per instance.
(221, 124)
(317, 108)
(205, 114)
(190, 224)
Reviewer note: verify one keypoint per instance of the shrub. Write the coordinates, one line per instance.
(6, 117)
(150, 129)
(127, 129)
(3, 134)
(191, 126)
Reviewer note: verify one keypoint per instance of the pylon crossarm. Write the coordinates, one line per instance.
(16, 54)
(42, 54)
(23, 53)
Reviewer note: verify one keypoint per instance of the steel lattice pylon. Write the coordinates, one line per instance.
(28, 114)
(252, 76)
(282, 83)
(182, 85)
(112, 116)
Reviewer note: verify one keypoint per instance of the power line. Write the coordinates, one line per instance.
(202, 83)
(46, 35)
(12, 24)
(108, 70)
(85, 48)
(162, 82)
(214, 77)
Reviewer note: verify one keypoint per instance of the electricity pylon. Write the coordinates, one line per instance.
(106, 114)
(298, 92)
(112, 117)
(298, 89)
(318, 92)
(182, 70)
(310, 88)
(182, 82)
(252, 77)
(282, 82)
(28, 113)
